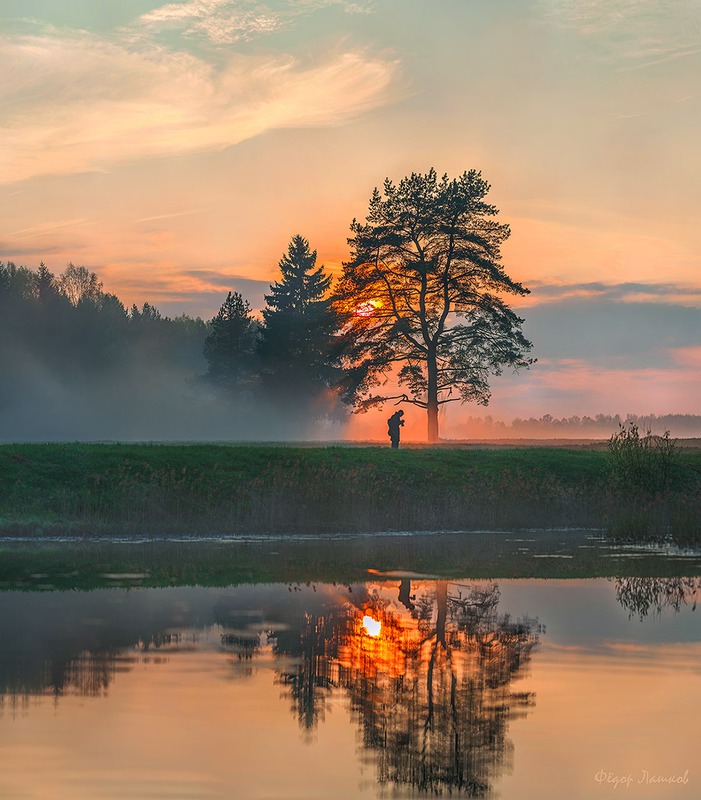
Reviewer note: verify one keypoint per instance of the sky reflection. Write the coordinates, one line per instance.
(525, 689)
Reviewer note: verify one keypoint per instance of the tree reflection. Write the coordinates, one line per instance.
(643, 596)
(87, 673)
(427, 666)
(71, 644)
(431, 690)
(309, 682)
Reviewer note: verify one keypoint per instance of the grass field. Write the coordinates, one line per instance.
(221, 489)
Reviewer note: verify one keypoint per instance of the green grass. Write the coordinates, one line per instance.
(219, 489)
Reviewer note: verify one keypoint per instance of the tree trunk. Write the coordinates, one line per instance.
(442, 602)
(432, 398)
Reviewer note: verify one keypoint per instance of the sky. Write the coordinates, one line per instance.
(175, 148)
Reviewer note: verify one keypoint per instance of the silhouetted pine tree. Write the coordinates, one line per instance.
(46, 286)
(298, 335)
(229, 349)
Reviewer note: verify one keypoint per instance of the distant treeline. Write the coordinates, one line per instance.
(76, 363)
(70, 326)
(585, 427)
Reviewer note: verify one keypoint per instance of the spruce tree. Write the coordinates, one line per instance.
(298, 336)
(230, 346)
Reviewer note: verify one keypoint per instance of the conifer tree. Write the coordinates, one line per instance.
(298, 336)
(46, 287)
(230, 345)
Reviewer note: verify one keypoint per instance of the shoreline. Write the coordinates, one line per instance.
(99, 563)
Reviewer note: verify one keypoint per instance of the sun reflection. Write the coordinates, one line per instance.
(372, 626)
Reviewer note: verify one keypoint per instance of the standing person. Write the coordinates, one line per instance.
(394, 423)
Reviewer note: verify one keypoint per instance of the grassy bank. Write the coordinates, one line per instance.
(219, 489)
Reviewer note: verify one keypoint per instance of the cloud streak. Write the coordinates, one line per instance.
(626, 292)
(228, 21)
(641, 33)
(79, 103)
(221, 21)
(611, 333)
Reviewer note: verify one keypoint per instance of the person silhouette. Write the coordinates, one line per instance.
(394, 423)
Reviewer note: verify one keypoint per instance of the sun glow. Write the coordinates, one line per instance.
(368, 308)
(372, 626)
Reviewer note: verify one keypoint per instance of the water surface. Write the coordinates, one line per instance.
(400, 685)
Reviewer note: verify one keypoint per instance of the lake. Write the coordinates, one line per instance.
(399, 684)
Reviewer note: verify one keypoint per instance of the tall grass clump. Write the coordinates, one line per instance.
(641, 462)
(650, 495)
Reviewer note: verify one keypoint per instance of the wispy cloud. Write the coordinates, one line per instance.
(611, 333)
(80, 103)
(564, 387)
(46, 227)
(659, 389)
(662, 57)
(688, 357)
(10, 250)
(228, 21)
(221, 21)
(641, 33)
(194, 292)
(43, 239)
(171, 215)
(216, 279)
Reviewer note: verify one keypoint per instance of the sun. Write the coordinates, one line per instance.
(372, 626)
(368, 308)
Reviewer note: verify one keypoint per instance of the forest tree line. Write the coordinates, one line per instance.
(65, 334)
(67, 323)
(71, 327)
(596, 426)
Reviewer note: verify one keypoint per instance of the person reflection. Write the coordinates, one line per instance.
(405, 596)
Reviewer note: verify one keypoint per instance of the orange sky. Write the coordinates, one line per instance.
(175, 148)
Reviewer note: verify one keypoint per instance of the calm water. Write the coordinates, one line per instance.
(399, 686)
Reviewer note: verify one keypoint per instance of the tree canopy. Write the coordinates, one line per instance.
(420, 296)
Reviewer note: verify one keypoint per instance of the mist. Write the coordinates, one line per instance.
(142, 403)
(594, 427)
(80, 367)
